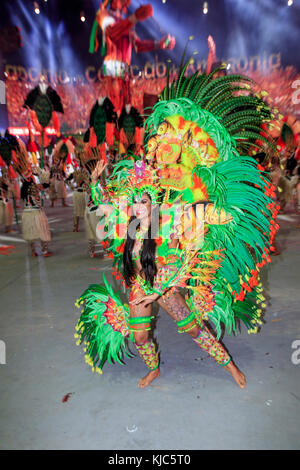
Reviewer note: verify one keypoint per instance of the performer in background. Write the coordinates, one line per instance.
(79, 183)
(35, 226)
(6, 203)
(57, 188)
(118, 40)
(91, 214)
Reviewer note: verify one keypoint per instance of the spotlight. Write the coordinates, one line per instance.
(82, 16)
(290, 3)
(36, 8)
(205, 8)
(164, 1)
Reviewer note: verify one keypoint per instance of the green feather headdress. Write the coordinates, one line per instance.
(132, 179)
(231, 99)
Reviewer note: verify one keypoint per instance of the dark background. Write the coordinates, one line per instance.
(57, 39)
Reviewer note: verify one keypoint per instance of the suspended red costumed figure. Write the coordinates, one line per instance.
(118, 40)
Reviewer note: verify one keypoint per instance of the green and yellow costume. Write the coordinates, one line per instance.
(199, 141)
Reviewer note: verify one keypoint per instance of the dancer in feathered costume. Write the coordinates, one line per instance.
(35, 226)
(10, 191)
(198, 139)
(58, 176)
(79, 182)
(89, 158)
(6, 205)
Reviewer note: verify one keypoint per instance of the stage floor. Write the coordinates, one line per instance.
(195, 404)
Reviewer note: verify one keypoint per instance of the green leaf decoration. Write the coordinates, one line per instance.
(43, 108)
(100, 120)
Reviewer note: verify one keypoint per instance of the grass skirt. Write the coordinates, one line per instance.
(79, 203)
(35, 225)
(60, 189)
(90, 223)
(52, 192)
(6, 213)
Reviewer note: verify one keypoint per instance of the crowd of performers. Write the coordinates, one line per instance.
(25, 185)
(68, 165)
(35, 182)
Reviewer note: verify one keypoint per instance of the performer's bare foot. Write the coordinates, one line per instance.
(238, 376)
(145, 381)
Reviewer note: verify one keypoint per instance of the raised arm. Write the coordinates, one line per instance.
(147, 45)
(122, 27)
(212, 57)
(97, 191)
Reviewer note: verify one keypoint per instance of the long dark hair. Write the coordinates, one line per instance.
(147, 257)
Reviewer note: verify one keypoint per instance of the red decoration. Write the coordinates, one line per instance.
(109, 133)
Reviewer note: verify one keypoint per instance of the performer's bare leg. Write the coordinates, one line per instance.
(145, 347)
(174, 304)
(45, 251)
(76, 224)
(92, 248)
(142, 338)
(32, 248)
